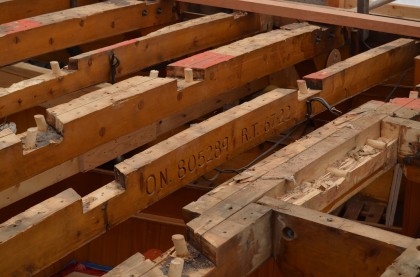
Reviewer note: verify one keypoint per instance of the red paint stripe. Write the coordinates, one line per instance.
(18, 26)
(188, 62)
(202, 60)
(216, 60)
(320, 75)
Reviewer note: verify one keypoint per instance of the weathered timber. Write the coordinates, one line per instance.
(13, 10)
(299, 230)
(33, 36)
(187, 95)
(372, 66)
(165, 167)
(123, 144)
(320, 14)
(288, 170)
(93, 67)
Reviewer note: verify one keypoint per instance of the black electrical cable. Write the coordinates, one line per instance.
(396, 86)
(259, 157)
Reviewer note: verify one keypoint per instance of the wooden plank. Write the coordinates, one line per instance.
(34, 36)
(165, 167)
(93, 68)
(407, 264)
(13, 10)
(341, 76)
(397, 10)
(298, 253)
(320, 14)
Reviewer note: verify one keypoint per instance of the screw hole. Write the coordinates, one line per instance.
(288, 233)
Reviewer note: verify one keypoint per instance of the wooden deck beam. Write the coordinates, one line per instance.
(25, 38)
(320, 14)
(93, 67)
(187, 95)
(13, 10)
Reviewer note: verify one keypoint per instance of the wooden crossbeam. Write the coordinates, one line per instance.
(93, 67)
(30, 37)
(13, 10)
(184, 94)
(320, 14)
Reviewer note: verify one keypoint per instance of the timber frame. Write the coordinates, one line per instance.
(132, 91)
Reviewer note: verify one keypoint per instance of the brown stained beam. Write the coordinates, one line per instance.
(93, 67)
(307, 242)
(320, 14)
(34, 36)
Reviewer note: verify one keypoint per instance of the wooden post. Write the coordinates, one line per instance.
(154, 73)
(303, 89)
(414, 94)
(175, 269)
(188, 74)
(55, 67)
(180, 245)
(41, 123)
(31, 137)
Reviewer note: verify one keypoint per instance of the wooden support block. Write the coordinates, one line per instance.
(134, 55)
(154, 73)
(407, 264)
(30, 139)
(55, 68)
(188, 75)
(298, 230)
(180, 245)
(398, 10)
(175, 269)
(413, 94)
(303, 89)
(320, 14)
(30, 37)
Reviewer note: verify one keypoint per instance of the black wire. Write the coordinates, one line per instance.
(396, 86)
(114, 62)
(259, 157)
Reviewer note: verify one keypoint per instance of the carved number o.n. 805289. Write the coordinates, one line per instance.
(205, 156)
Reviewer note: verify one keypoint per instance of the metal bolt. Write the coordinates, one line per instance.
(159, 10)
(144, 13)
